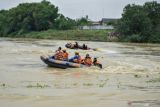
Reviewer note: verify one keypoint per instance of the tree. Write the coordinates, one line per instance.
(140, 23)
(83, 21)
(153, 11)
(135, 21)
(64, 23)
(44, 16)
(2, 21)
(28, 17)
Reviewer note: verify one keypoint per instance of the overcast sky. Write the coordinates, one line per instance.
(95, 9)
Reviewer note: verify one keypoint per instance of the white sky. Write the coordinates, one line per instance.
(95, 9)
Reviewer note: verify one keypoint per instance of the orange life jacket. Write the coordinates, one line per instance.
(88, 61)
(59, 55)
(65, 55)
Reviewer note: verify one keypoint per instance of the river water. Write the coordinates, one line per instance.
(130, 76)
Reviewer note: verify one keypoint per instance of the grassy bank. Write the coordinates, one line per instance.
(83, 35)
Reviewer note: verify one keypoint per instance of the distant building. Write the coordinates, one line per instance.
(95, 22)
(107, 20)
(97, 25)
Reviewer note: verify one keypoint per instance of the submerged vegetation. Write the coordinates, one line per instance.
(137, 76)
(2, 85)
(154, 80)
(38, 85)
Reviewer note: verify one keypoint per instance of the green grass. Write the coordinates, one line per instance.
(83, 35)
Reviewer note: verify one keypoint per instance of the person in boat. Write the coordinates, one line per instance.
(76, 59)
(84, 46)
(97, 63)
(56, 52)
(70, 45)
(65, 55)
(87, 60)
(76, 45)
(59, 49)
(59, 54)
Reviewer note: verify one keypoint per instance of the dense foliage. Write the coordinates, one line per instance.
(27, 17)
(64, 23)
(83, 21)
(140, 23)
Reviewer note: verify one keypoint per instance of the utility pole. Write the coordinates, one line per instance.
(103, 12)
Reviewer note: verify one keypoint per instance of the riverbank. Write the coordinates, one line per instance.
(82, 35)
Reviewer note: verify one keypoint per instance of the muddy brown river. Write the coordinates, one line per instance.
(130, 76)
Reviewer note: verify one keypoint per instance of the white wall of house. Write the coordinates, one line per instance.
(96, 27)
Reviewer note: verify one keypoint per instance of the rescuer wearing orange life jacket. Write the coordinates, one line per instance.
(59, 54)
(76, 45)
(65, 55)
(88, 60)
(97, 63)
(77, 58)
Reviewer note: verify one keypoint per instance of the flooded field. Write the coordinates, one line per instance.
(130, 76)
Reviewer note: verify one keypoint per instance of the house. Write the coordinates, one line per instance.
(95, 22)
(97, 25)
(104, 21)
